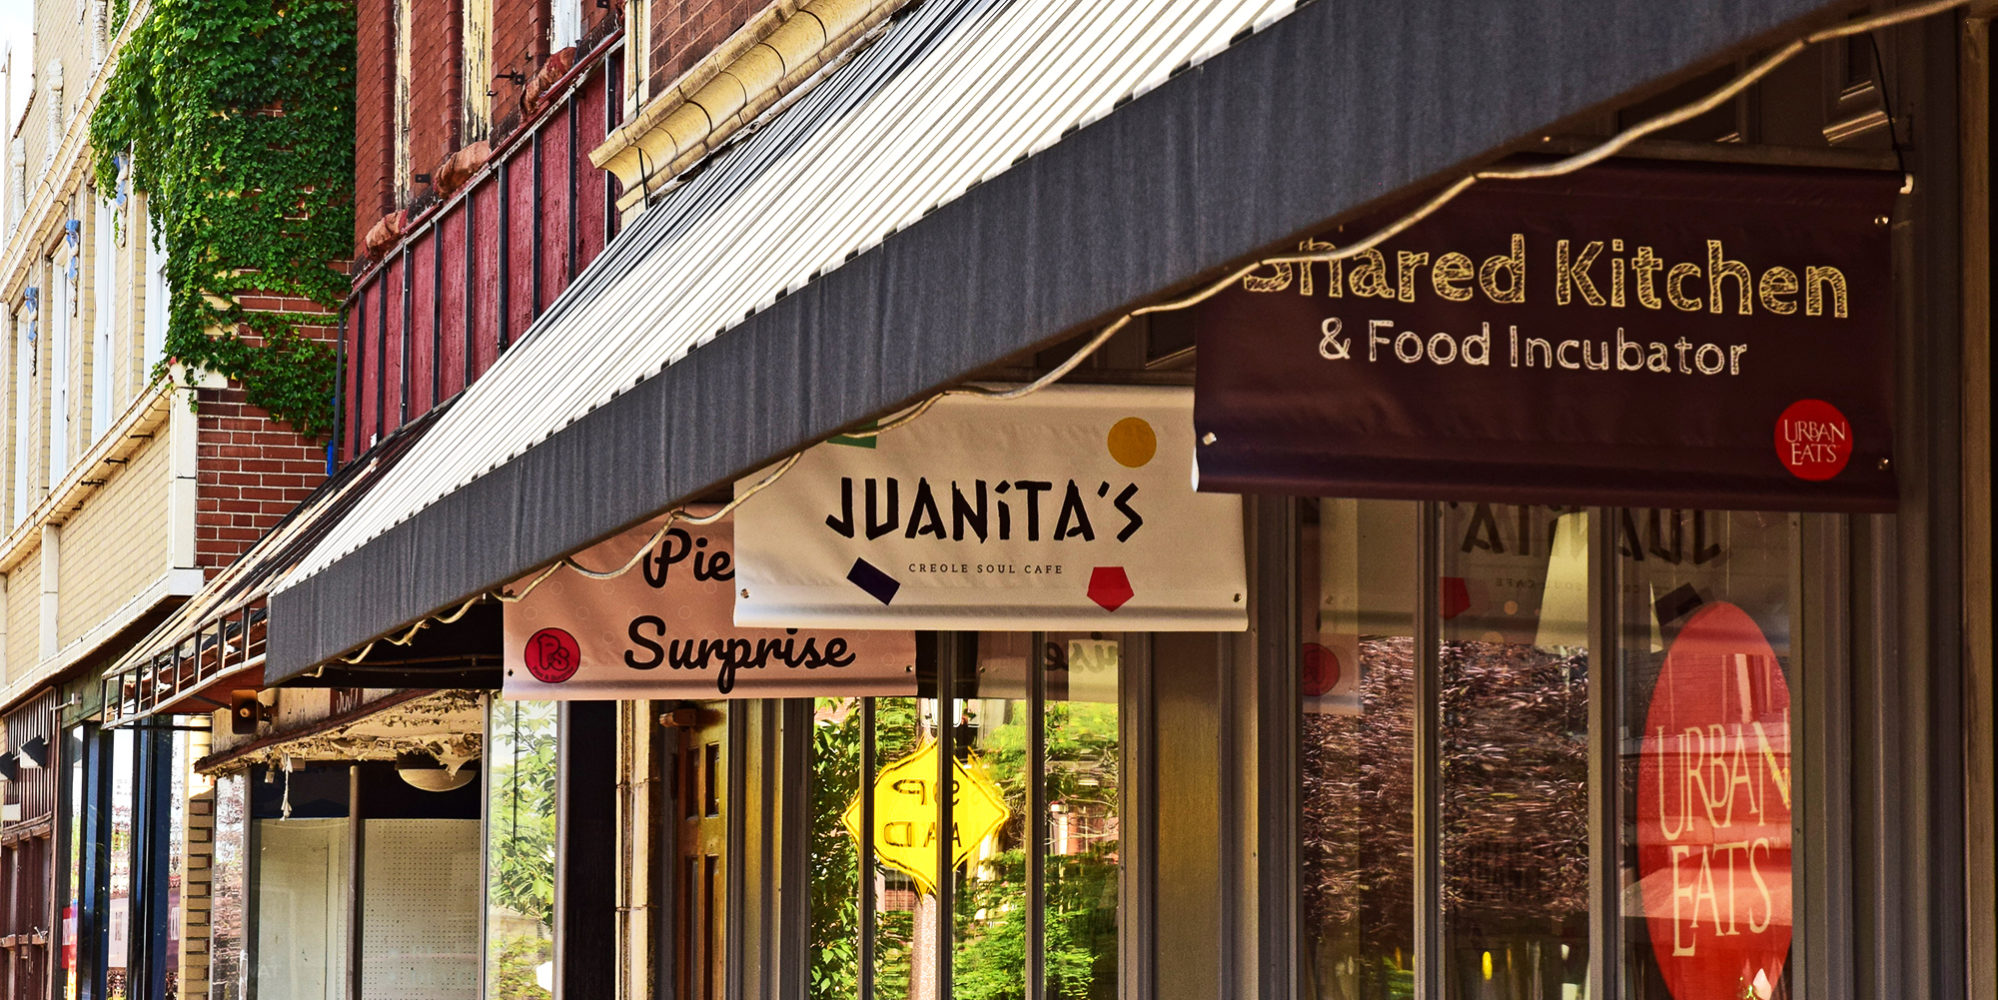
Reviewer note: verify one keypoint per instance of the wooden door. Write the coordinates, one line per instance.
(701, 848)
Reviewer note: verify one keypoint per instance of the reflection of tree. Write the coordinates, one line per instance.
(1081, 907)
(1515, 830)
(522, 838)
(835, 865)
(990, 960)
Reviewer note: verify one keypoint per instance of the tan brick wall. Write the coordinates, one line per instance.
(117, 544)
(196, 886)
(62, 33)
(24, 616)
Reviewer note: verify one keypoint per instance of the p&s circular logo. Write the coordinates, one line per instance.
(552, 655)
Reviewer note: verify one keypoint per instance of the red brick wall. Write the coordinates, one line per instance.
(433, 87)
(685, 30)
(251, 470)
(520, 43)
(374, 115)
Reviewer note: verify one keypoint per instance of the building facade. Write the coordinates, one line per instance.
(127, 485)
(1520, 633)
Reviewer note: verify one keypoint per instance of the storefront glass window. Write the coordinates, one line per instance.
(1513, 602)
(835, 856)
(227, 915)
(1083, 776)
(990, 959)
(1357, 755)
(1034, 720)
(520, 849)
(838, 732)
(74, 744)
(905, 930)
(118, 941)
(182, 758)
(1706, 620)
(301, 843)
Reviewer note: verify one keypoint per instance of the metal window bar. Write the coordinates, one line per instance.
(1605, 805)
(569, 161)
(407, 349)
(437, 313)
(1037, 817)
(534, 247)
(503, 175)
(381, 357)
(1429, 981)
(948, 659)
(866, 859)
(470, 259)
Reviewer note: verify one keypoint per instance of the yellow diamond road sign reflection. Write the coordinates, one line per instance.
(905, 814)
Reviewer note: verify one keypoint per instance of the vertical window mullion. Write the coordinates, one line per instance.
(947, 665)
(1605, 759)
(866, 859)
(1037, 818)
(1428, 759)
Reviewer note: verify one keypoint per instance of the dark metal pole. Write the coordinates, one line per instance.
(1605, 810)
(339, 390)
(952, 644)
(360, 373)
(569, 166)
(356, 876)
(381, 355)
(610, 125)
(1429, 937)
(408, 349)
(866, 857)
(471, 258)
(437, 311)
(1037, 816)
(534, 246)
(505, 266)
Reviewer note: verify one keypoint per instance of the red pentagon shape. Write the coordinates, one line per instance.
(1109, 587)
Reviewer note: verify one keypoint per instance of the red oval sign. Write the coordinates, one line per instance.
(1713, 810)
(1813, 440)
(552, 655)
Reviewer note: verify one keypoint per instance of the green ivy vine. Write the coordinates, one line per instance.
(238, 120)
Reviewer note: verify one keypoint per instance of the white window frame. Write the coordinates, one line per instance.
(103, 365)
(157, 294)
(23, 388)
(61, 304)
(566, 26)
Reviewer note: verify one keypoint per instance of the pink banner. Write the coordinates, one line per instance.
(666, 629)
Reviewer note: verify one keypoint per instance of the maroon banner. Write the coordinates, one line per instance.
(1654, 335)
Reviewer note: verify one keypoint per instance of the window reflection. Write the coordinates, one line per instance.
(520, 849)
(1356, 760)
(1513, 599)
(1707, 659)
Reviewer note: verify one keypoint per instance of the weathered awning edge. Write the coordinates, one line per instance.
(1325, 111)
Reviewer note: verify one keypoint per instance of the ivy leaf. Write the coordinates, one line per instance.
(238, 119)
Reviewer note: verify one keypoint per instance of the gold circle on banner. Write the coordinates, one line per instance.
(1133, 442)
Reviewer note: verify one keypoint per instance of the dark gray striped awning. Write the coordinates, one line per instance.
(988, 177)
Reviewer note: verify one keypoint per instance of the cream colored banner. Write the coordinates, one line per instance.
(1068, 509)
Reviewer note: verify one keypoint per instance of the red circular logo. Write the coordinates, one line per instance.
(1713, 810)
(1813, 440)
(1321, 670)
(552, 656)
